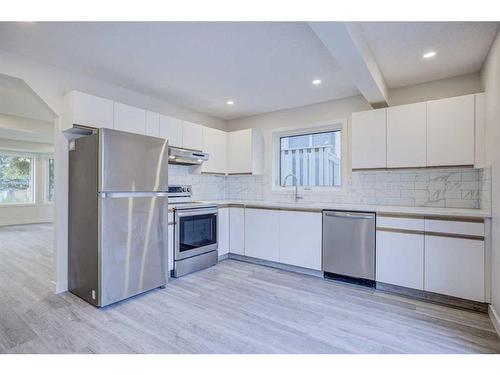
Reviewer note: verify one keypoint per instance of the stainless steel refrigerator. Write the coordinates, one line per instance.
(118, 209)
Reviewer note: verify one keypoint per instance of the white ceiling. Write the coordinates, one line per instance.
(18, 99)
(398, 48)
(262, 66)
(23, 115)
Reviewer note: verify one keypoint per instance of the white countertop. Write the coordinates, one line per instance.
(380, 209)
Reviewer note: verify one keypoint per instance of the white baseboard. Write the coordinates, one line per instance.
(495, 318)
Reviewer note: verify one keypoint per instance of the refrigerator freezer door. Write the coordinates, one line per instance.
(132, 162)
(133, 245)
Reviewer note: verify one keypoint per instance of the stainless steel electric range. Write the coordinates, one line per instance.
(195, 231)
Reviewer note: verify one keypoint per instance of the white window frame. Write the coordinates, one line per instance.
(320, 127)
(44, 158)
(33, 178)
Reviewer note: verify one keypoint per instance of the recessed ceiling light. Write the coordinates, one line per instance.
(429, 54)
(230, 102)
(316, 82)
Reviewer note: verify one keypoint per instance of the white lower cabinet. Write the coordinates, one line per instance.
(455, 267)
(400, 259)
(237, 230)
(223, 231)
(170, 250)
(262, 234)
(300, 239)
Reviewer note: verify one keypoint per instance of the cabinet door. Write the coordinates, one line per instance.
(239, 152)
(192, 136)
(214, 143)
(450, 131)
(455, 267)
(369, 139)
(406, 136)
(170, 256)
(171, 129)
(88, 110)
(400, 259)
(300, 239)
(130, 119)
(262, 234)
(237, 230)
(152, 124)
(223, 231)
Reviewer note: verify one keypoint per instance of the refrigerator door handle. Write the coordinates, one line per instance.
(135, 194)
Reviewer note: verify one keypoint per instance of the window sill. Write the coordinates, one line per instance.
(17, 205)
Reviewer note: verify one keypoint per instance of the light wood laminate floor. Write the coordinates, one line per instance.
(234, 307)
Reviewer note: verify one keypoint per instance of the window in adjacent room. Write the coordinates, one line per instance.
(49, 178)
(16, 178)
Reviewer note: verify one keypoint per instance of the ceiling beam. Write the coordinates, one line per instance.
(345, 42)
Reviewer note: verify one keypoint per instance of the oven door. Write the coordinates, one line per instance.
(195, 232)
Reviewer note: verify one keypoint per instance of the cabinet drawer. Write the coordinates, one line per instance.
(406, 223)
(466, 228)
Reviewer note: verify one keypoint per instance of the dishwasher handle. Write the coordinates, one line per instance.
(350, 215)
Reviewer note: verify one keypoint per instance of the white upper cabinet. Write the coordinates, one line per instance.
(369, 139)
(171, 129)
(214, 143)
(406, 136)
(87, 110)
(130, 119)
(450, 131)
(245, 152)
(480, 146)
(152, 124)
(192, 136)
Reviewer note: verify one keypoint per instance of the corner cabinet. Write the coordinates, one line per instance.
(443, 256)
(245, 152)
(368, 137)
(450, 131)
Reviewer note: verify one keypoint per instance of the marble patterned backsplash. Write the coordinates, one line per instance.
(447, 187)
(205, 187)
(450, 187)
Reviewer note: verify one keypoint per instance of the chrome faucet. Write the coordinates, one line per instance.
(296, 185)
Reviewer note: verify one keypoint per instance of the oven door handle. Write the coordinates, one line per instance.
(196, 212)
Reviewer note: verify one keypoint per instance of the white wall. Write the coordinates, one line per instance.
(490, 76)
(341, 110)
(39, 211)
(51, 83)
(443, 88)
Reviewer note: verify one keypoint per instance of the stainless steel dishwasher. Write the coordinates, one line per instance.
(349, 246)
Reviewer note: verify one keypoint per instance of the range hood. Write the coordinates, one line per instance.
(184, 156)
